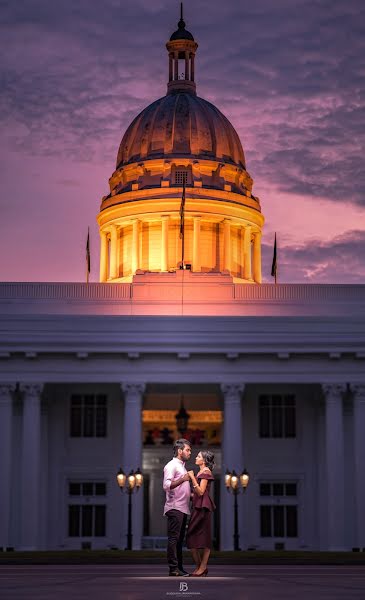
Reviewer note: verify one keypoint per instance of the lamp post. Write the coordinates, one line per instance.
(128, 484)
(235, 484)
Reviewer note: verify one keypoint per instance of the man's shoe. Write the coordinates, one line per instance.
(183, 573)
(175, 573)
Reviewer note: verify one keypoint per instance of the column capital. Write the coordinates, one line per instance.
(333, 391)
(232, 392)
(6, 391)
(31, 390)
(358, 391)
(133, 390)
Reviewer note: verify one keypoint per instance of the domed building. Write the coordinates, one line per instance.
(95, 376)
(180, 141)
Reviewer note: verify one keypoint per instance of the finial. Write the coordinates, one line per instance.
(181, 23)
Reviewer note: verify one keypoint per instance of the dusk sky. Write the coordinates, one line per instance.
(288, 74)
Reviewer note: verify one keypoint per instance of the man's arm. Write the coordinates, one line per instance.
(175, 484)
(168, 484)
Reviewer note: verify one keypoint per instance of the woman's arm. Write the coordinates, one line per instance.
(199, 489)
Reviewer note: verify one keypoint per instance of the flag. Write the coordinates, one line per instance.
(87, 256)
(182, 209)
(274, 267)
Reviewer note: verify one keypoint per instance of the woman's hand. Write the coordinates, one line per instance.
(191, 474)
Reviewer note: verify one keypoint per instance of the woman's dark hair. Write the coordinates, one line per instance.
(179, 445)
(208, 458)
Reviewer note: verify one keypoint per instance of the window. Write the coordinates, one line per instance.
(86, 519)
(279, 519)
(181, 177)
(277, 416)
(278, 489)
(88, 417)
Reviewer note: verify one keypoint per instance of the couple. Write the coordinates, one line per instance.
(176, 483)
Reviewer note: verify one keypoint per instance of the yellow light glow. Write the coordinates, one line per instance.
(234, 482)
(139, 478)
(244, 479)
(131, 481)
(121, 478)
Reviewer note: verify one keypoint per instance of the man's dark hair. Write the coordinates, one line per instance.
(179, 445)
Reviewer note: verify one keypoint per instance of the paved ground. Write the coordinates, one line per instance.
(149, 582)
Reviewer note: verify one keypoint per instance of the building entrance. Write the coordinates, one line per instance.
(171, 412)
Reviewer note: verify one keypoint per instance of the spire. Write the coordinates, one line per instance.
(181, 33)
(181, 23)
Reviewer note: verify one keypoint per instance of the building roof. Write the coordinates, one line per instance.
(181, 124)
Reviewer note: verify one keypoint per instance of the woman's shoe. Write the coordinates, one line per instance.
(204, 574)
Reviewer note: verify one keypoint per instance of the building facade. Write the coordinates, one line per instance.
(92, 376)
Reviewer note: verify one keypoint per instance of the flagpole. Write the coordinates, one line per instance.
(88, 256)
(274, 267)
(182, 225)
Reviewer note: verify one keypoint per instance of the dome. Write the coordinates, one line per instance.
(181, 33)
(181, 124)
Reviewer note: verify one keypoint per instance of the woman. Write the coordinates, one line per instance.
(198, 536)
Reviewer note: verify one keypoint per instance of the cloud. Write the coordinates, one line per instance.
(289, 75)
(340, 260)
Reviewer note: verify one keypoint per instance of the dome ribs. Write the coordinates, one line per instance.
(181, 138)
(194, 132)
(140, 147)
(158, 129)
(170, 124)
(206, 139)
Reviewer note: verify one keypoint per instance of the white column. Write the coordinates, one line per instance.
(135, 246)
(187, 65)
(132, 456)
(164, 242)
(176, 65)
(6, 426)
(359, 462)
(257, 257)
(103, 256)
(334, 446)
(196, 244)
(192, 68)
(30, 467)
(114, 258)
(170, 65)
(227, 245)
(232, 458)
(247, 253)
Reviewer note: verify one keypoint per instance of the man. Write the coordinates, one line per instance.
(177, 487)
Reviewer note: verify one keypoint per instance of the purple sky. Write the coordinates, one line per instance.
(289, 75)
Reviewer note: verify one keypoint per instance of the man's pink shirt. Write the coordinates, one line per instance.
(179, 497)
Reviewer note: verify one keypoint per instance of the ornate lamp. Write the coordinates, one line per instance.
(182, 418)
(236, 484)
(128, 484)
